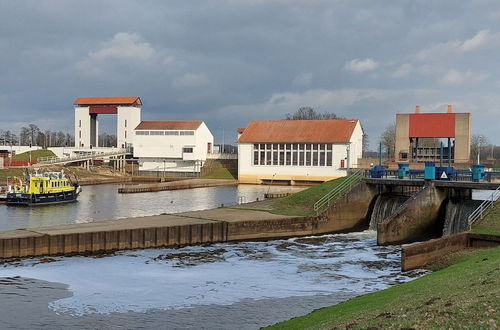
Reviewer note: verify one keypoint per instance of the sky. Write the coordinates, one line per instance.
(231, 61)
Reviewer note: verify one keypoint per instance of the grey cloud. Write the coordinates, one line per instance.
(229, 61)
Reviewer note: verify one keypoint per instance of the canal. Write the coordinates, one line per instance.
(102, 202)
(243, 285)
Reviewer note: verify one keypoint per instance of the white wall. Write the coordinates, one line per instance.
(156, 151)
(127, 120)
(82, 127)
(171, 146)
(20, 149)
(356, 145)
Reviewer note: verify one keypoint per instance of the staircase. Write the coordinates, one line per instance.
(483, 208)
(346, 185)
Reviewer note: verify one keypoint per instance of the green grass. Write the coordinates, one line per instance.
(465, 295)
(221, 173)
(9, 172)
(302, 203)
(25, 156)
(490, 224)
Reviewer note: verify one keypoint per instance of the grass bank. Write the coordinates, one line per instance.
(222, 173)
(25, 156)
(9, 172)
(301, 203)
(490, 224)
(465, 295)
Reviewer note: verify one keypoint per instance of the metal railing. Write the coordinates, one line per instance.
(338, 191)
(482, 209)
(87, 155)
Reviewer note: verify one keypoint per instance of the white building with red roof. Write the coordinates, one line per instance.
(298, 151)
(172, 146)
(128, 115)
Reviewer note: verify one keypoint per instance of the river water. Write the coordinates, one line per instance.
(102, 202)
(243, 285)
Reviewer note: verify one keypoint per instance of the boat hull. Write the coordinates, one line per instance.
(41, 199)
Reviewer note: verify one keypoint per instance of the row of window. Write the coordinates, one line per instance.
(164, 132)
(55, 184)
(294, 154)
(58, 184)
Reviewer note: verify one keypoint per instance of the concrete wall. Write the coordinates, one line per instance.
(421, 254)
(352, 211)
(402, 131)
(31, 244)
(82, 127)
(127, 120)
(462, 137)
(415, 221)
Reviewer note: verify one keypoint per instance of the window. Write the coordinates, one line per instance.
(125, 123)
(292, 154)
(80, 123)
(186, 133)
(157, 132)
(141, 132)
(125, 134)
(187, 150)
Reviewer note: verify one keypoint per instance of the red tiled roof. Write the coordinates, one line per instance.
(170, 125)
(240, 130)
(108, 100)
(282, 131)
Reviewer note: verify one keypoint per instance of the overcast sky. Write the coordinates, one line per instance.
(230, 61)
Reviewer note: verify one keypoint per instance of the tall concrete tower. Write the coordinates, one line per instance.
(127, 109)
(418, 136)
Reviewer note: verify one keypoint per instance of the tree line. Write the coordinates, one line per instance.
(33, 135)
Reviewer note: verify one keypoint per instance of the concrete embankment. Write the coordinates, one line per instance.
(208, 226)
(87, 181)
(176, 185)
(419, 255)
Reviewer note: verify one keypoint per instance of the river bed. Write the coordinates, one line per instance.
(243, 285)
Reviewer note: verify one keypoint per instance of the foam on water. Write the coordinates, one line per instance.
(219, 274)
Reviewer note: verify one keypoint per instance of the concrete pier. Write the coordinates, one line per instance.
(176, 185)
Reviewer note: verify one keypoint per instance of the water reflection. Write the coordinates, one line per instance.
(102, 202)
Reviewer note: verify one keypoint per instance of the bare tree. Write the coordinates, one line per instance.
(308, 113)
(479, 145)
(388, 139)
(24, 136)
(33, 131)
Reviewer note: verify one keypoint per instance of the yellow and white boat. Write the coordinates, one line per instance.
(42, 189)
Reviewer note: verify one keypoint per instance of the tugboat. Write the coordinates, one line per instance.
(42, 189)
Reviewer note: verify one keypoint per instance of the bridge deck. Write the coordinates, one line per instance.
(437, 183)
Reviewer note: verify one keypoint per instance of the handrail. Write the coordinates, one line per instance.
(336, 192)
(92, 154)
(480, 211)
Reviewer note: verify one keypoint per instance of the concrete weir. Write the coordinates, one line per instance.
(415, 219)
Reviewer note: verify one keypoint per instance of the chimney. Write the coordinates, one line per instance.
(417, 109)
(449, 110)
